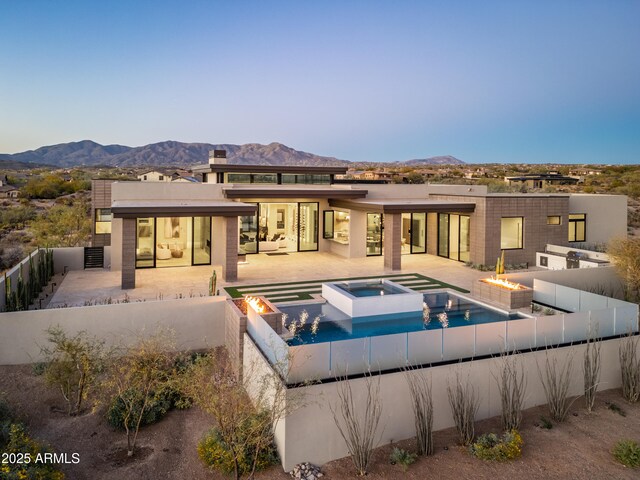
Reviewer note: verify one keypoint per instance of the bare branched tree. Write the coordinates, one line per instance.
(630, 367)
(591, 367)
(512, 385)
(422, 405)
(358, 422)
(145, 368)
(464, 402)
(556, 381)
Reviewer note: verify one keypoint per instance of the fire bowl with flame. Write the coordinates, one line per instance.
(256, 303)
(503, 292)
(503, 283)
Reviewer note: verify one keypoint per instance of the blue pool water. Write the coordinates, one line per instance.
(336, 325)
(369, 289)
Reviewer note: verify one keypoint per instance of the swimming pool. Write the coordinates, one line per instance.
(446, 310)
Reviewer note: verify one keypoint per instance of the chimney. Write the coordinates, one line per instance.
(217, 157)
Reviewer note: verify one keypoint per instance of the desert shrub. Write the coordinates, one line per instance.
(5, 422)
(492, 447)
(545, 423)
(19, 442)
(218, 454)
(630, 368)
(157, 407)
(464, 403)
(627, 452)
(401, 457)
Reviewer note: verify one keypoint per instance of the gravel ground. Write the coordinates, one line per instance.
(577, 449)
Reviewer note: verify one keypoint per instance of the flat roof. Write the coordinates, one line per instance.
(180, 208)
(404, 205)
(280, 191)
(245, 168)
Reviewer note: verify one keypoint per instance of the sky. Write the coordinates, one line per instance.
(484, 81)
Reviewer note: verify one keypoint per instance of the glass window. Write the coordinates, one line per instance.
(238, 178)
(264, 178)
(341, 227)
(443, 234)
(554, 220)
(278, 227)
(418, 233)
(511, 233)
(327, 229)
(174, 241)
(288, 178)
(202, 240)
(161, 177)
(577, 227)
(374, 234)
(465, 238)
(145, 241)
(308, 232)
(248, 237)
(103, 221)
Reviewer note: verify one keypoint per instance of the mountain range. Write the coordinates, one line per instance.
(178, 154)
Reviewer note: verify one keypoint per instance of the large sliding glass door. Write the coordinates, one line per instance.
(375, 233)
(281, 228)
(308, 227)
(454, 236)
(173, 241)
(414, 233)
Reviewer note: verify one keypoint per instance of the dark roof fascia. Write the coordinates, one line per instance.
(404, 208)
(183, 211)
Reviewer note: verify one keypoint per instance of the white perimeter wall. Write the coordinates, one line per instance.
(310, 434)
(198, 324)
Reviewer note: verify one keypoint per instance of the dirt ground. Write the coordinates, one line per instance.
(577, 449)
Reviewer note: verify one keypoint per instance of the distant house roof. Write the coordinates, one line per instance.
(556, 177)
(7, 188)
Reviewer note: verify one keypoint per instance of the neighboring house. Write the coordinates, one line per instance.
(251, 209)
(8, 191)
(542, 180)
(154, 176)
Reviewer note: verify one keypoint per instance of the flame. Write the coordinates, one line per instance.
(501, 282)
(256, 304)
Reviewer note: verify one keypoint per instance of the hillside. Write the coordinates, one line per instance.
(171, 153)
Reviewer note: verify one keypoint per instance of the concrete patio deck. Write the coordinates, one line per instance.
(82, 287)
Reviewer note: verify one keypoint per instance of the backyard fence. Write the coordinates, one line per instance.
(588, 312)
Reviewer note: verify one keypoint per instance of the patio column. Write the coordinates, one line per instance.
(128, 253)
(392, 247)
(229, 248)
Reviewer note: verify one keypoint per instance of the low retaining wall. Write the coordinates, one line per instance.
(310, 433)
(198, 324)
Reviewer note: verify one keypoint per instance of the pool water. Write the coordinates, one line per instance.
(335, 325)
(369, 289)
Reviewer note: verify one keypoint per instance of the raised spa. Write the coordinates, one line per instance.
(371, 297)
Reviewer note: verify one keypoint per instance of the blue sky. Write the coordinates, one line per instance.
(486, 81)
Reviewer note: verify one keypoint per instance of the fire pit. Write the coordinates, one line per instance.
(503, 292)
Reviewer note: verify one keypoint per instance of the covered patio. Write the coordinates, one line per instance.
(82, 287)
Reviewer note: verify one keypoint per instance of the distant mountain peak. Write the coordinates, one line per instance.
(179, 154)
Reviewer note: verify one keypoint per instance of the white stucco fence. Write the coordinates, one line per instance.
(198, 324)
(310, 433)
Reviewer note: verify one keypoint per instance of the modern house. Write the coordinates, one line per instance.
(253, 209)
(541, 180)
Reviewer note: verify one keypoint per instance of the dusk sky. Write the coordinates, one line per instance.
(487, 81)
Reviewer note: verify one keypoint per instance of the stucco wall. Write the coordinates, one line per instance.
(606, 215)
(198, 324)
(310, 434)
